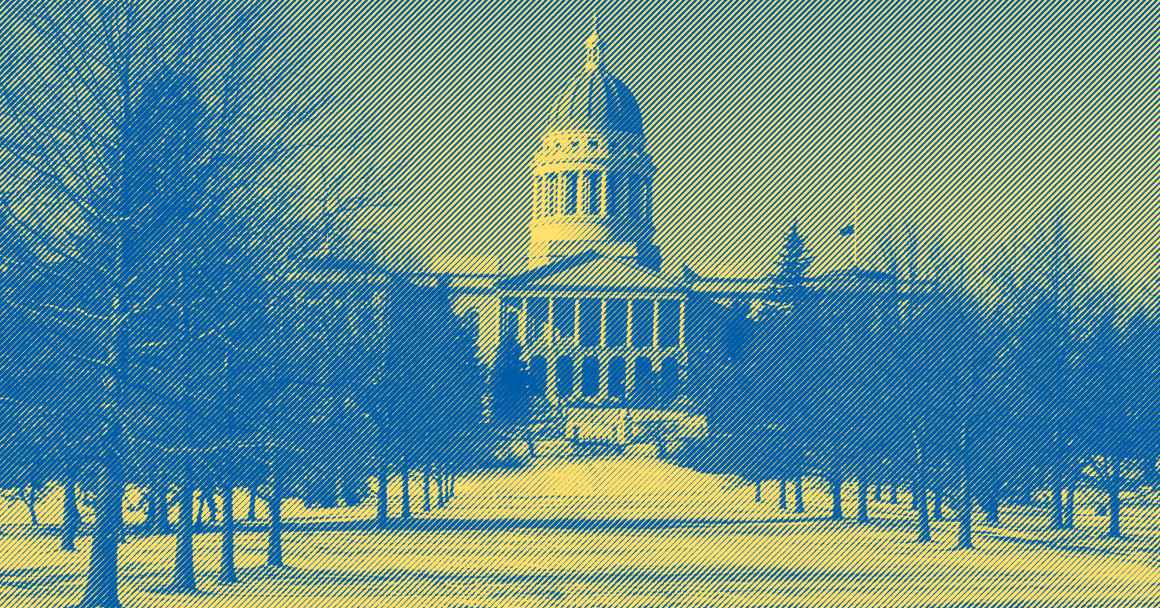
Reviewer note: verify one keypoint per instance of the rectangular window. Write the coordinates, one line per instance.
(593, 192)
(550, 195)
(615, 322)
(589, 322)
(610, 193)
(570, 193)
(642, 323)
(537, 321)
(564, 318)
(669, 322)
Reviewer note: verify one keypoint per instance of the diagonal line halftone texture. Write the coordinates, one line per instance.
(999, 153)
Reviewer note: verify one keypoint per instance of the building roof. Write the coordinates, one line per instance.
(590, 271)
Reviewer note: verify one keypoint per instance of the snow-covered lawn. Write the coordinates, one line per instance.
(620, 532)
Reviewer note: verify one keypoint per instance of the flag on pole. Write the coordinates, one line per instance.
(847, 230)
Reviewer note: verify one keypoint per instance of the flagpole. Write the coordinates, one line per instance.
(855, 235)
(857, 227)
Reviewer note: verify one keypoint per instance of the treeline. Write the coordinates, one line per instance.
(149, 163)
(912, 379)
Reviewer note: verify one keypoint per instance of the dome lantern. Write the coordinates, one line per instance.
(593, 46)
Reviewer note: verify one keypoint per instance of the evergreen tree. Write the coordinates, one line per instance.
(510, 389)
(795, 260)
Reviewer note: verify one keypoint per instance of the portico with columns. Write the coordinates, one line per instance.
(598, 331)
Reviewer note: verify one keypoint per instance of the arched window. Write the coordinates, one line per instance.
(538, 375)
(616, 377)
(642, 379)
(610, 193)
(590, 377)
(564, 376)
(669, 380)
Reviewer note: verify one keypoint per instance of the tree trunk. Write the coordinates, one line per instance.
(1057, 483)
(440, 499)
(161, 524)
(151, 508)
(530, 441)
(228, 572)
(966, 499)
(252, 509)
(426, 471)
(1069, 505)
(101, 582)
(1114, 498)
(184, 579)
(799, 505)
(938, 502)
(992, 503)
(836, 492)
(757, 491)
(381, 496)
(211, 500)
(878, 492)
(274, 544)
(863, 497)
(893, 493)
(405, 473)
(31, 504)
(918, 496)
(781, 491)
(72, 515)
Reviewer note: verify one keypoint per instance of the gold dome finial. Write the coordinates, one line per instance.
(593, 47)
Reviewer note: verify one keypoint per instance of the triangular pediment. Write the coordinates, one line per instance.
(590, 271)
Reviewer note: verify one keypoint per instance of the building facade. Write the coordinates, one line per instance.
(604, 332)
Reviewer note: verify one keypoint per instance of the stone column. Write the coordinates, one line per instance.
(656, 312)
(603, 323)
(603, 193)
(576, 321)
(551, 319)
(581, 193)
(561, 192)
(628, 325)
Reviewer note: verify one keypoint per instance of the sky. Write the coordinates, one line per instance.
(959, 121)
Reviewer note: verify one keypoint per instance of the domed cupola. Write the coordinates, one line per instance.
(592, 185)
(595, 100)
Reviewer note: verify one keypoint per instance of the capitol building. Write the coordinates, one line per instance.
(604, 332)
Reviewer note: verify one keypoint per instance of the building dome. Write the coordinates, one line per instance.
(592, 175)
(597, 101)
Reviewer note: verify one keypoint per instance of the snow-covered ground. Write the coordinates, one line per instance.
(619, 532)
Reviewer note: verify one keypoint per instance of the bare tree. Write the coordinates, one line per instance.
(139, 120)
